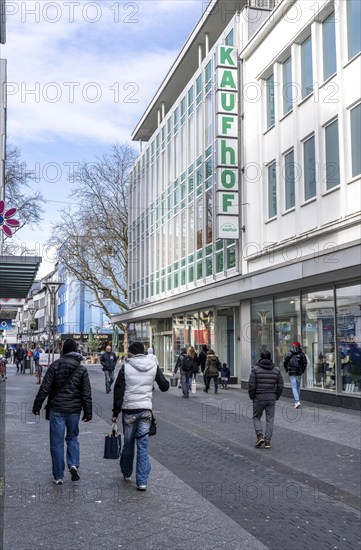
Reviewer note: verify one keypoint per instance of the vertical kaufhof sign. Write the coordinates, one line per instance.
(227, 143)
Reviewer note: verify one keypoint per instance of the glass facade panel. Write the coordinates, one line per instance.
(287, 327)
(287, 86)
(329, 46)
(272, 190)
(353, 27)
(309, 165)
(306, 67)
(348, 320)
(319, 338)
(289, 178)
(270, 101)
(261, 328)
(332, 155)
(356, 140)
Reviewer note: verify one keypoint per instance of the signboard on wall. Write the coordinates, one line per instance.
(227, 203)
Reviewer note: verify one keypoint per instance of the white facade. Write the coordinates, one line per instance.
(292, 271)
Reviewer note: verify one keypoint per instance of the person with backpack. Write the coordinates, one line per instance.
(185, 364)
(265, 387)
(213, 366)
(295, 364)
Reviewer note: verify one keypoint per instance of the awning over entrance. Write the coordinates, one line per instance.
(17, 274)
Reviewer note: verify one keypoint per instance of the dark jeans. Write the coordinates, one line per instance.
(184, 379)
(264, 404)
(208, 382)
(109, 379)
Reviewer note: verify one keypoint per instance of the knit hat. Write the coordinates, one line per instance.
(69, 346)
(136, 348)
(297, 344)
(183, 350)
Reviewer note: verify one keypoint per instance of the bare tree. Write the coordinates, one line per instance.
(92, 237)
(19, 194)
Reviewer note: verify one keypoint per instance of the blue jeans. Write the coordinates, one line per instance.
(136, 428)
(58, 422)
(296, 387)
(109, 379)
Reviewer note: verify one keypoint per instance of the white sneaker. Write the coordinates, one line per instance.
(141, 487)
(127, 478)
(58, 481)
(297, 405)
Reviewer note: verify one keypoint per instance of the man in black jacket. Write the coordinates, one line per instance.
(265, 387)
(108, 361)
(68, 386)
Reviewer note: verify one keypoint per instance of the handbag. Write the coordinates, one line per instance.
(47, 406)
(194, 386)
(113, 443)
(153, 426)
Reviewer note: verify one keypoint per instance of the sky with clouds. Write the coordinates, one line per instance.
(80, 75)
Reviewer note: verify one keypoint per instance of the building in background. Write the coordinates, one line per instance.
(244, 227)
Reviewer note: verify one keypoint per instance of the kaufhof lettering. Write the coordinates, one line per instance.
(227, 203)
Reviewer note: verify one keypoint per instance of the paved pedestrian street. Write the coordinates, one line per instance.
(209, 488)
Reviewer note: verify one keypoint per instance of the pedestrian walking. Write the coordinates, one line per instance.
(67, 385)
(20, 355)
(295, 364)
(133, 391)
(185, 364)
(108, 360)
(36, 358)
(151, 354)
(225, 375)
(202, 359)
(195, 368)
(265, 387)
(213, 366)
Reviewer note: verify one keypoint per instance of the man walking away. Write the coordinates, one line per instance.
(265, 387)
(202, 359)
(20, 355)
(295, 364)
(133, 392)
(213, 366)
(108, 360)
(185, 364)
(68, 387)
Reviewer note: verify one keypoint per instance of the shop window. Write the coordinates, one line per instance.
(309, 165)
(287, 86)
(261, 328)
(287, 327)
(348, 319)
(231, 257)
(332, 155)
(219, 262)
(318, 340)
(353, 27)
(306, 67)
(229, 40)
(329, 46)
(270, 101)
(206, 328)
(356, 140)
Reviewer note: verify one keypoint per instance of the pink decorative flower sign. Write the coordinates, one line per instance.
(6, 221)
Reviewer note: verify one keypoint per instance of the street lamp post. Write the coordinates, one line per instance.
(52, 287)
(31, 312)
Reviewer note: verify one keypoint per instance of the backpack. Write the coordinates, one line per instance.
(186, 363)
(296, 363)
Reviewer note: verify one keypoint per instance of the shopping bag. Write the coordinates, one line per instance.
(194, 386)
(174, 382)
(153, 426)
(113, 444)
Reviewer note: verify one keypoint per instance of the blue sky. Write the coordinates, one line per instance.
(93, 67)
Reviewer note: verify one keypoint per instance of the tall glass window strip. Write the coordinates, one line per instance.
(309, 168)
(329, 46)
(332, 155)
(287, 86)
(272, 191)
(289, 177)
(306, 67)
(229, 41)
(353, 27)
(356, 140)
(270, 101)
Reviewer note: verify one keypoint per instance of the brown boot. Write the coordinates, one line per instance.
(260, 440)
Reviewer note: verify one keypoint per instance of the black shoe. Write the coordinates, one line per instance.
(74, 473)
(205, 390)
(267, 444)
(260, 440)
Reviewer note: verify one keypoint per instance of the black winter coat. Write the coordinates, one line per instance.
(108, 360)
(265, 379)
(299, 366)
(202, 359)
(75, 397)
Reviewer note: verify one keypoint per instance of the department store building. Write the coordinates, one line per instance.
(244, 224)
